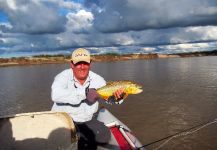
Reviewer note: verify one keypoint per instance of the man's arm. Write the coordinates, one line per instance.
(60, 93)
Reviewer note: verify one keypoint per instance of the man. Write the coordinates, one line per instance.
(74, 92)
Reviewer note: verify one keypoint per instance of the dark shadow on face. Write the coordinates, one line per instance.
(81, 70)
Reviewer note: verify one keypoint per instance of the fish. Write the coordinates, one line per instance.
(111, 86)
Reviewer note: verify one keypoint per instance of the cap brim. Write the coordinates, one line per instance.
(75, 62)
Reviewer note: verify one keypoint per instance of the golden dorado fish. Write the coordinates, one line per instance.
(129, 88)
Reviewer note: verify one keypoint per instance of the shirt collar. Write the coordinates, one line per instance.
(86, 83)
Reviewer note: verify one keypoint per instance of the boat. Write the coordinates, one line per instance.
(37, 130)
(122, 137)
(56, 130)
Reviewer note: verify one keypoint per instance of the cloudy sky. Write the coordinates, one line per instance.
(34, 27)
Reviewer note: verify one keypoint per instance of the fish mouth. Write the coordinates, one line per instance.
(139, 90)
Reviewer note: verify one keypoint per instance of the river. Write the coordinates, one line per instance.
(179, 93)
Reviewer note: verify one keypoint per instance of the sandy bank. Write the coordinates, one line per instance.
(49, 59)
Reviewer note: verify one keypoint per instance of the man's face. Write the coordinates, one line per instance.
(81, 70)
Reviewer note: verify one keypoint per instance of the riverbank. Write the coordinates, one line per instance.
(65, 59)
(55, 59)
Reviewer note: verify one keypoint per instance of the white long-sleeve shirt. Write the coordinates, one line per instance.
(68, 95)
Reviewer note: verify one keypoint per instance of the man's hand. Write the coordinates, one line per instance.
(92, 95)
(118, 97)
(119, 94)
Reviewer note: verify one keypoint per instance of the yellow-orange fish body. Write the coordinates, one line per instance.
(129, 88)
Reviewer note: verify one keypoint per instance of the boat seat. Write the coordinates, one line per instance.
(37, 130)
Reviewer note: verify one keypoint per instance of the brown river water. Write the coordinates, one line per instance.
(179, 93)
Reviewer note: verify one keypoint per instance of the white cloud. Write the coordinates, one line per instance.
(122, 39)
(206, 33)
(11, 4)
(5, 26)
(70, 5)
(62, 3)
(148, 49)
(187, 46)
(128, 26)
(80, 21)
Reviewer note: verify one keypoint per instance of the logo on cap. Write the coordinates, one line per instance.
(79, 55)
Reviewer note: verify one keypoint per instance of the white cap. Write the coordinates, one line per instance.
(79, 55)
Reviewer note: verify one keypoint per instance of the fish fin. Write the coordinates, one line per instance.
(109, 82)
(125, 95)
(105, 97)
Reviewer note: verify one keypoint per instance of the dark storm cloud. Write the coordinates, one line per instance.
(124, 15)
(4, 27)
(32, 17)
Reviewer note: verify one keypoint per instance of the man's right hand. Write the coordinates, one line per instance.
(91, 95)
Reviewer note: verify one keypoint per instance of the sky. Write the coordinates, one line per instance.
(37, 27)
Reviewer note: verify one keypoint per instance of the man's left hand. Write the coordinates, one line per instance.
(119, 94)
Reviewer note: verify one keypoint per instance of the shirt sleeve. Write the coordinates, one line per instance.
(60, 93)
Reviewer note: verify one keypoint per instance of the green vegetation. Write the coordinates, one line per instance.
(112, 54)
(52, 56)
(202, 53)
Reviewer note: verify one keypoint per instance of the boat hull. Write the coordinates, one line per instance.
(122, 137)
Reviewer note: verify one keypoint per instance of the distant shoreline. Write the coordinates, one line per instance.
(60, 59)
